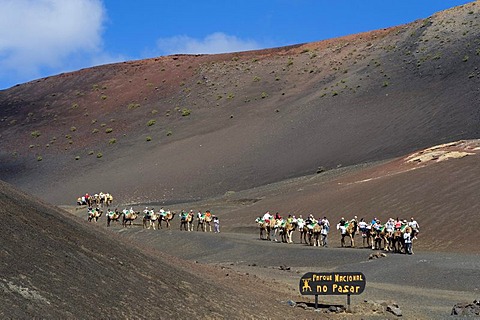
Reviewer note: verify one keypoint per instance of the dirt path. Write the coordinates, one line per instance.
(426, 285)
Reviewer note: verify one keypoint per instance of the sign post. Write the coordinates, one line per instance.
(332, 283)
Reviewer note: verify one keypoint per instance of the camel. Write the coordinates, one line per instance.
(113, 216)
(351, 229)
(378, 235)
(186, 221)
(315, 235)
(286, 230)
(129, 216)
(265, 227)
(397, 243)
(149, 219)
(367, 237)
(166, 216)
(303, 230)
(108, 199)
(94, 215)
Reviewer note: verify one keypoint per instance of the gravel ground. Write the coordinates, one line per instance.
(425, 285)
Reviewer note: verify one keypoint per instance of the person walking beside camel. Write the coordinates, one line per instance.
(216, 224)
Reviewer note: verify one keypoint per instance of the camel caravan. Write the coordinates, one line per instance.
(153, 219)
(394, 235)
(97, 200)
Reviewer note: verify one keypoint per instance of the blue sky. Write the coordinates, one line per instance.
(39, 38)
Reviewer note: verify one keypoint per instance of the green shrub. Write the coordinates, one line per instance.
(133, 106)
(169, 133)
(99, 155)
(108, 130)
(95, 130)
(264, 95)
(112, 141)
(77, 158)
(103, 97)
(35, 134)
(90, 152)
(73, 129)
(39, 158)
(151, 122)
(186, 112)
(148, 138)
(67, 136)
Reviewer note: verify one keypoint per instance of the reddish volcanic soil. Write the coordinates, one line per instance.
(379, 124)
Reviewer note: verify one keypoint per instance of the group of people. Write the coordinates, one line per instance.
(409, 229)
(304, 225)
(206, 216)
(97, 199)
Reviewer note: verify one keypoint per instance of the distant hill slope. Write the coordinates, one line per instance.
(438, 186)
(188, 127)
(54, 266)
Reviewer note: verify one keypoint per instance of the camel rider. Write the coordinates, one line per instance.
(183, 215)
(398, 224)
(267, 217)
(146, 212)
(290, 219)
(300, 223)
(415, 227)
(199, 215)
(390, 225)
(362, 225)
(342, 221)
(277, 216)
(326, 224)
(342, 228)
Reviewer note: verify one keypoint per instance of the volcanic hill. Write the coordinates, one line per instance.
(188, 127)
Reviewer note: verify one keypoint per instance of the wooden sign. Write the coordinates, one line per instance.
(332, 283)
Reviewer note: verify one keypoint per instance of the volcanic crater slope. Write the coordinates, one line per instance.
(188, 127)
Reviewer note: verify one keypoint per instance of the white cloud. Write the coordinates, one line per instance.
(47, 34)
(217, 42)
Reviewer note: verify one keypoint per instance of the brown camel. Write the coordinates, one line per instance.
(129, 216)
(167, 217)
(149, 220)
(113, 216)
(186, 221)
(94, 214)
(315, 235)
(286, 230)
(351, 229)
(265, 227)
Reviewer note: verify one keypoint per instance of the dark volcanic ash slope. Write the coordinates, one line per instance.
(186, 127)
(53, 266)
